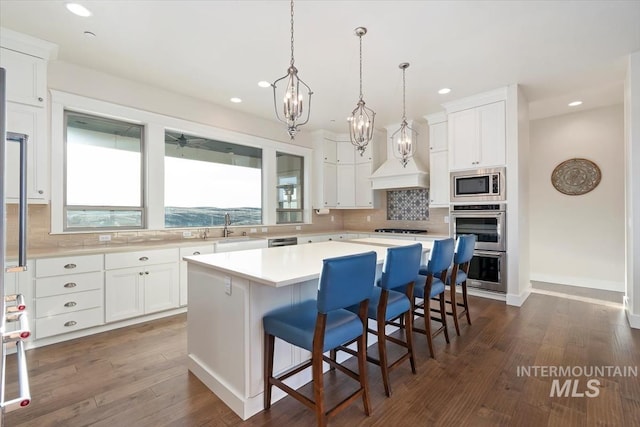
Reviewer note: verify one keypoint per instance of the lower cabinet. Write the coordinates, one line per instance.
(144, 288)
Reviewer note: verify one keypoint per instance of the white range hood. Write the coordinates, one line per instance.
(391, 174)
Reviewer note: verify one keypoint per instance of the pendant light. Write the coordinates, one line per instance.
(361, 120)
(404, 139)
(292, 99)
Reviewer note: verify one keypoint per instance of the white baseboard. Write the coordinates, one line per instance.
(634, 319)
(583, 282)
(518, 299)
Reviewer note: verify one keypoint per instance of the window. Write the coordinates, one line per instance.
(205, 178)
(290, 206)
(103, 173)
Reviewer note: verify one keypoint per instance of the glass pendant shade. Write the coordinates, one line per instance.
(362, 118)
(404, 139)
(294, 114)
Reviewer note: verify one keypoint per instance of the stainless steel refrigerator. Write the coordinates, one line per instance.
(14, 326)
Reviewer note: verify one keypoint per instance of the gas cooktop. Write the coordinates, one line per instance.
(399, 230)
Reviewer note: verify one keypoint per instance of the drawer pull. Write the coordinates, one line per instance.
(71, 304)
(70, 285)
(71, 323)
(70, 266)
(146, 272)
(196, 253)
(143, 258)
(141, 273)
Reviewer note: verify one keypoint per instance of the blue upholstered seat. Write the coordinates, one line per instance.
(457, 274)
(324, 324)
(429, 285)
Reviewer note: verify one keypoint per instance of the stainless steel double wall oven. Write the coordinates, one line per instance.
(488, 222)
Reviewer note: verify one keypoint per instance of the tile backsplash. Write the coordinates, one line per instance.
(408, 205)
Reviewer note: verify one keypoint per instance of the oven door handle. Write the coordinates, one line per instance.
(488, 254)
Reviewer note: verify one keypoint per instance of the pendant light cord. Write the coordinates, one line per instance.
(360, 37)
(404, 101)
(292, 33)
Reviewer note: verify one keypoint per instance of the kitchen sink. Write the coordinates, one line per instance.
(239, 243)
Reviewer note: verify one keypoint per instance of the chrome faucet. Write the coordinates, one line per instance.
(227, 223)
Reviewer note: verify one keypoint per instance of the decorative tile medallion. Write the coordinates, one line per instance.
(408, 205)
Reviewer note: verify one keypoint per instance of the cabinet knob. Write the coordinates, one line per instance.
(146, 272)
(70, 285)
(70, 266)
(40, 192)
(141, 273)
(309, 241)
(40, 99)
(71, 304)
(71, 323)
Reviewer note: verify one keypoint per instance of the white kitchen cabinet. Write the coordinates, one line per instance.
(141, 282)
(69, 294)
(31, 121)
(346, 180)
(324, 172)
(345, 153)
(192, 250)
(438, 161)
(477, 137)
(26, 77)
(364, 197)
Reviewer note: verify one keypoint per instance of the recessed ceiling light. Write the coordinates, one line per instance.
(236, 100)
(264, 83)
(575, 103)
(78, 9)
(444, 91)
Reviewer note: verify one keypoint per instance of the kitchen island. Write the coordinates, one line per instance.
(229, 293)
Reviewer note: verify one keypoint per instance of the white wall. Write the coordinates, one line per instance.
(98, 85)
(579, 240)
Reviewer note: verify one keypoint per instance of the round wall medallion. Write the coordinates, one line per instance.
(576, 176)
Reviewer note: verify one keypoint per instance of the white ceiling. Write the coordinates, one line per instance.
(558, 51)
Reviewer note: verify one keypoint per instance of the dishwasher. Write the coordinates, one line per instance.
(283, 241)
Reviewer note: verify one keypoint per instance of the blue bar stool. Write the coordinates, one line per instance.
(457, 276)
(322, 325)
(391, 300)
(430, 284)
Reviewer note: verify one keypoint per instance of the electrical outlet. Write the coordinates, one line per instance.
(265, 229)
(253, 230)
(332, 218)
(227, 285)
(186, 234)
(298, 227)
(104, 237)
(446, 219)
(368, 218)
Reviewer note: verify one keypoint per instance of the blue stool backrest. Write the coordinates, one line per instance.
(440, 256)
(401, 266)
(346, 280)
(464, 248)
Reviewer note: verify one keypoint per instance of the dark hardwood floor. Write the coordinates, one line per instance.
(137, 376)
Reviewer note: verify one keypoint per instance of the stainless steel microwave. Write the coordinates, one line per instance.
(480, 185)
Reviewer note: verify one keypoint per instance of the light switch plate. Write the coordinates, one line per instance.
(104, 237)
(186, 234)
(227, 285)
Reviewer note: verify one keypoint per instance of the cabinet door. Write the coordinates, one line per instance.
(438, 136)
(463, 139)
(161, 287)
(329, 150)
(439, 179)
(492, 144)
(329, 188)
(30, 121)
(345, 153)
(345, 177)
(364, 193)
(26, 77)
(124, 293)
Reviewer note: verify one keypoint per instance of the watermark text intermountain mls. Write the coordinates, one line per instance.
(567, 380)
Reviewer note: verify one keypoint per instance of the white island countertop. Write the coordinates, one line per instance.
(288, 265)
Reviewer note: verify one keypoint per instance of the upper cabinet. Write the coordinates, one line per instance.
(477, 131)
(25, 60)
(438, 161)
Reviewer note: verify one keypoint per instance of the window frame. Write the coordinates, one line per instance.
(65, 206)
(153, 158)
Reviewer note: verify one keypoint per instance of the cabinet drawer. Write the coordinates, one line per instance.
(77, 301)
(196, 250)
(69, 322)
(140, 258)
(71, 283)
(68, 265)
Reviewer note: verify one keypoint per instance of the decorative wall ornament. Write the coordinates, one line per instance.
(576, 176)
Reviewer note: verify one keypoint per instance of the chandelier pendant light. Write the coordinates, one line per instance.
(293, 109)
(362, 118)
(404, 139)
